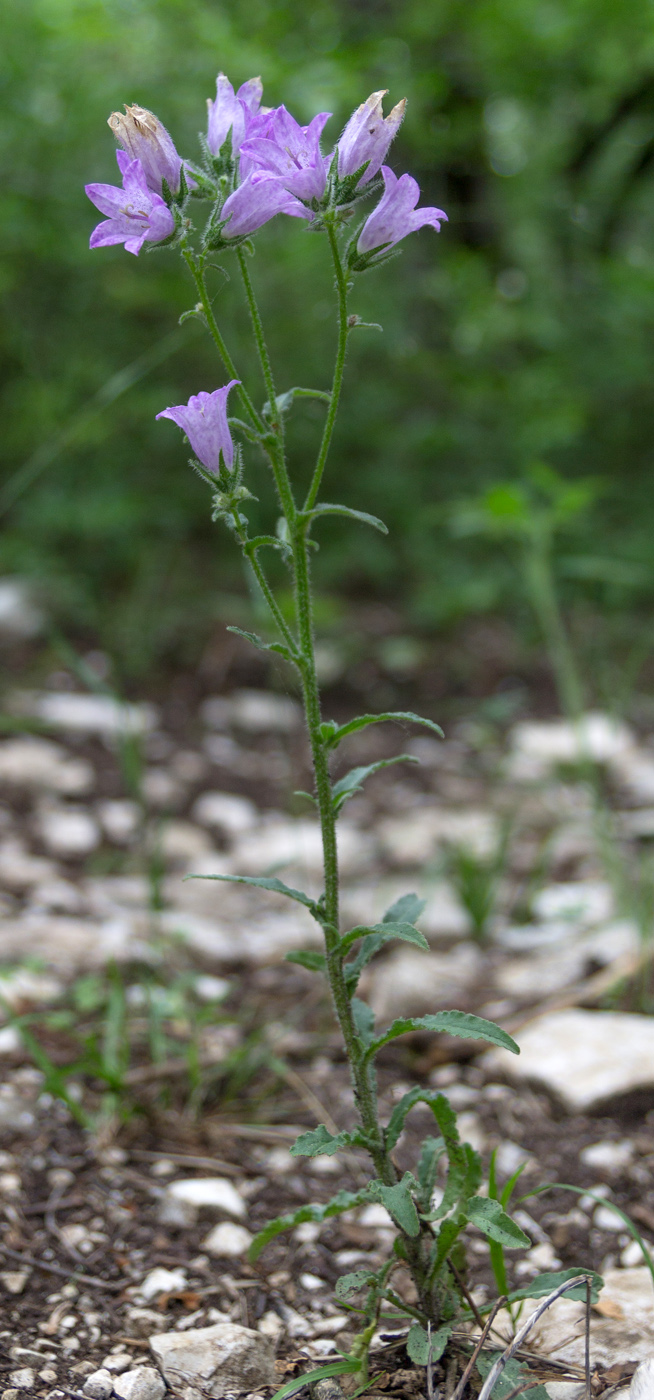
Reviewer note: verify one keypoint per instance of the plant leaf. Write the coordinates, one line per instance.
(343, 1200)
(422, 1348)
(459, 1023)
(418, 1095)
(339, 732)
(384, 931)
(430, 1155)
(260, 644)
(510, 1378)
(493, 1221)
(306, 957)
(361, 515)
(319, 1142)
(364, 1020)
(350, 1283)
(284, 402)
(399, 1203)
(320, 1373)
(353, 781)
(266, 882)
(546, 1283)
(406, 909)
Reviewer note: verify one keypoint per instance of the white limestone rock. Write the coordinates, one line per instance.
(142, 1383)
(298, 843)
(583, 1058)
(214, 1361)
(119, 818)
(578, 902)
(611, 1157)
(20, 619)
(162, 1280)
(183, 844)
(414, 838)
(642, 1381)
(538, 746)
(621, 1327)
(261, 711)
(183, 1200)
(32, 762)
(68, 832)
(228, 1241)
(20, 870)
(89, 714)
(229, 813)
(99, 1385)
(413, 983)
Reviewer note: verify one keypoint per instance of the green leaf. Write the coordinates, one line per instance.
(384, 932)
(354, 780)
(361, 515)
(338, 732)
(399, 1203)
(493, 1221)
(435, 1101)
(320, 1373)
(364, 1020)
(509, 1379)
(459, 1023)
(265, 882)
(546, 1283)
(423, 1348)
(371, 942)
(260, 644)
(445, 1240)
(342, 1201)
(284, 402)
(319, 1142)
(430, 1155)
(305, 957)
(406, 909)
(351, 1283)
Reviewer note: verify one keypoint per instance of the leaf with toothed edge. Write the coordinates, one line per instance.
(353, 781)
(332, 734)
(306, 957)
(342, 1201)
(319, 1142)
(423, 1346)
(259, 643)
(458, 1023)
(385, 931)
(266, 882)
(361, 516)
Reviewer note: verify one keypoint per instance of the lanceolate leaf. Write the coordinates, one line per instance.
(406, 909)
(260, 644)
(399, 1203)
(265, 882)
(493, 1221)
(320, 1373)
(351, 1283)
(361, 515)
(321, 1143)
(459, 1023)
(385, 931)
(364, 1019)
(423, 1348)
(509, 1379)
(333, 734)
(407, 1102)
(306, 957)
(354, 780)
(343, 1200)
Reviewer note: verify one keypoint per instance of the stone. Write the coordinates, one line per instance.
(89, 714)
(99, 1385)
(195, 1194)
(161, 789)
(25, 1379)
(143, 1383)
(20, 870)
(57, 897)
(183, 844)
(142, 1322)
(414, 838)
(117, 1363)
(260, 711)
(160, 1281)
(68, 832)
(231, 814)
(642, 1381)
(634, 771)
(412, 983)
(20, 619)
(119, 818)
(283, 841)
(35, 763)
(22, 986)
(228, 1241)
(212, 1361)
(14, 1280)
(538, 746)
(583, 1058)
(209, 988)
(10, 1041)
(610, 1157)
(575, 902)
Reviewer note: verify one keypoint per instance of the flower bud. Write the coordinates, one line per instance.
(367, 137)
(144, 138)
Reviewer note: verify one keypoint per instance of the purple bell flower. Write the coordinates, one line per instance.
(135, 214)
(204, 420)
(396, 214)
(291, 153)
(232, 110)
(144, 138)
(367, 137)
(255, 202)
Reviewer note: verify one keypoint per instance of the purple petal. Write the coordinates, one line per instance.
(204, 420)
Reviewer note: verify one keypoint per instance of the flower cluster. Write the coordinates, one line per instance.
(259, 162)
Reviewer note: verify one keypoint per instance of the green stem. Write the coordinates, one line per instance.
(268, 594)
(197, 274)
(339, 367)
(276, 454)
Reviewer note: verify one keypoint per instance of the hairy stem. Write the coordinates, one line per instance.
(197, 273)
(276, 453)
(339, 368)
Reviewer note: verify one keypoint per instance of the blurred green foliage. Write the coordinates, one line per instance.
(524, 329)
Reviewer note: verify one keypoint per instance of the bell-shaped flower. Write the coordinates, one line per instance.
(292, 153)
(396, 215)
(144, 138)
(134, 214)
(367, 137)
(204, 420)
(255, 202)
(232, 111)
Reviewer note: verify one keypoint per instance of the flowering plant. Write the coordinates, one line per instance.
(258, 163)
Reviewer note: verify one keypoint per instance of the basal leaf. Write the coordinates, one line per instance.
(339, 732)
(351, 1283)
(406, 909)
(509, 1378)
(423, 1348)
(342, 1201)
(320, 1373)
(385, 931)
(265, 882)
(459, 1023)
(493, 1221)
(430, 1155)
(546, 1283)
(399, 1203)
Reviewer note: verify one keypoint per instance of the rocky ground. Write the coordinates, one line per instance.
(158, 1055)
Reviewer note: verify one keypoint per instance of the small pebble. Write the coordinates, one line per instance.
(99, 1385)
(228, 1241)
(118, 1363)
(143, 1383)
(23, 1379)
